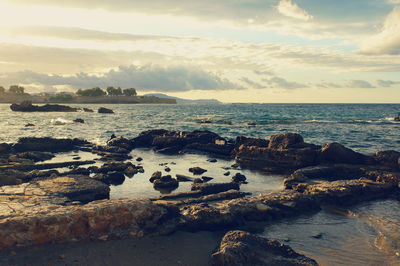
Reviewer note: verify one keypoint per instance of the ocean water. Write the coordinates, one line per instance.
(366, 128)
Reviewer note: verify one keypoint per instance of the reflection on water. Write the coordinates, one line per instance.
(369, 238)
(139, 186)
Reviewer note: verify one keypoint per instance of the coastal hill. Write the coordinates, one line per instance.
(111, 95)
(180, 100)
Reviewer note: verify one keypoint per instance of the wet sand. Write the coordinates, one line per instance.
(179, 248)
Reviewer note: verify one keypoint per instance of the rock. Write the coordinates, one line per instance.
(111, 178)
(26, 106)
(78, 171)
(79, 120)
(116, 166)
(212, 160)
(397, 118)
(198, 181)
(47, 144)
(251, 123)
(29, 125)
(130, 171)
(206, 178)
(120, 142)
(167, 169)
(87, 110)
(285, 141)
(139, 159)
(197, 170)
(276, 160)
(242, 248)
(337, 153)
(388, 158)
(183, 178)
(238, 177)
(155, 176)
(227, 173)
(250, 142)
(103, 110)
(166, 182)
(212, 148)
(212, 188)
(75, 187)
(170, 150)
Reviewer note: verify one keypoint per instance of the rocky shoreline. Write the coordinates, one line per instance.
(39, 204)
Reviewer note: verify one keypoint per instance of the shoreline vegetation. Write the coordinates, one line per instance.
(40, 205)
(111, 95)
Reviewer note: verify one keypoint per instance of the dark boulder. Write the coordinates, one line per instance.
(238, 177)
(103, 110)
(47, 144)
(212, 148)
(213, 188)
(166, 182)
(397, 118)
(29, 125)
(197, 170)
(206, 178)
(117, 166)
(87, 110)
(242, 248)
(26, 106)
(155, 176)
(79, 120)
(120, 142)
(276, 160)
(337, 153)
(285, 141)
(113, 178)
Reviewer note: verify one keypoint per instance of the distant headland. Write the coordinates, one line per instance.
(17, 94)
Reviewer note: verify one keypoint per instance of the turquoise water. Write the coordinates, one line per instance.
(363, 127)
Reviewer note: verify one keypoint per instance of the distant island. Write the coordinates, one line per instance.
(180, 100)
(17, 94)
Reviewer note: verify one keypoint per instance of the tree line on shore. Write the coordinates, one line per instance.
(93, 92)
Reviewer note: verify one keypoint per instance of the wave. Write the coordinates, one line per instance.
(60, 121)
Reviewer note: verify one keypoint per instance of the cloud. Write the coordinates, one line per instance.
(388, 40)
(393, 2)
(387, 83)
(252, 84)
(360, 84)
(145, 78)
(326, 85)
(281, 83)
(290, 9)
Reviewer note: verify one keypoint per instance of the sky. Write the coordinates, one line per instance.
(261, 51)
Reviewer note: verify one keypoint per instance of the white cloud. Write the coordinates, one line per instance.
(388, 40)
(290, 9)
(281, 83)
(387, 83)
(360, 84)
(144, 78)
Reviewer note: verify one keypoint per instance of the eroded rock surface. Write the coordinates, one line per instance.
(240, 248)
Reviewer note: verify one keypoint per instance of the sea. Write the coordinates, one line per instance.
(372, 237)
(366, 128)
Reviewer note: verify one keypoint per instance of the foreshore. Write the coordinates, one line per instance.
(40, 205)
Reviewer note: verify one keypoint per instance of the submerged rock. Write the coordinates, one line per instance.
(183, 178)
(242, 248)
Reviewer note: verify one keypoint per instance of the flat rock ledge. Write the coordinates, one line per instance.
(100, 220)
